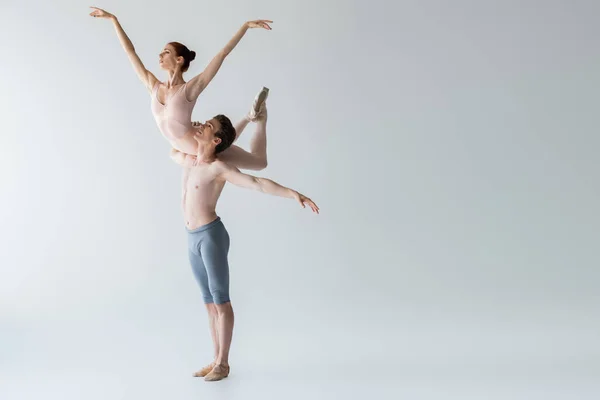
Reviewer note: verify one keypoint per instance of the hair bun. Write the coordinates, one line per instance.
(192, 55)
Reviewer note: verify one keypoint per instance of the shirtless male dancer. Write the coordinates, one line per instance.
(204, 177)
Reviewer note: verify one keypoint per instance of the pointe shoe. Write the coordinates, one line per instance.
(258, 109)
(218, 372)
(204, 371)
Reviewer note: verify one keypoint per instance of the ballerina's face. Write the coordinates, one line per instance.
(168, 59)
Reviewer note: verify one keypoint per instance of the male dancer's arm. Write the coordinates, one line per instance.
(198, 83)
(233, 175)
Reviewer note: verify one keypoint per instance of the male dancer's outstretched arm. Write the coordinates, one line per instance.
(233, 175)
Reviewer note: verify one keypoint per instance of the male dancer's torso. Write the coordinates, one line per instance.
(201, 189)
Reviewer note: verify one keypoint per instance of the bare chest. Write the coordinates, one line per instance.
(201, 178)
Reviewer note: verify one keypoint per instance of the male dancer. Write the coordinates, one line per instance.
(204, 177)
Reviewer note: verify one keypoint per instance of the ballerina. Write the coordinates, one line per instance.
(173, 101)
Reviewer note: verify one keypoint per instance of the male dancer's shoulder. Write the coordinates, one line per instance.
(221, 167)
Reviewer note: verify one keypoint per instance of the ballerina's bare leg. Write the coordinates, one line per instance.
(256, 158)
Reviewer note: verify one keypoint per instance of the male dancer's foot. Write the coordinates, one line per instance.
(258, 107)
(204, 371)
(219, 371)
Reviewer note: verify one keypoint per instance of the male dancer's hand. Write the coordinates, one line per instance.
(303, 200)
(100, 13)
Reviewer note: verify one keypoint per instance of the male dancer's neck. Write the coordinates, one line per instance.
(206, 156)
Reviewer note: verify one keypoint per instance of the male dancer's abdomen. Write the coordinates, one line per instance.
(196, 221)
(197, 214)
(200, 199)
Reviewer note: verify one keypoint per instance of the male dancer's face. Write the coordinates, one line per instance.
(205, 133)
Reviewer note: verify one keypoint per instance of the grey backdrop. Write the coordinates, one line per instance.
(451, 146)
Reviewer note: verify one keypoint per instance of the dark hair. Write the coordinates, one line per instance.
(187, 54)
(226, 133)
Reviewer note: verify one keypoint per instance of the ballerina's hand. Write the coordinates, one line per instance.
(100, 13)
(260, 23)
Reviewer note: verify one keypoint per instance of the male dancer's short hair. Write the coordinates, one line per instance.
(226, 133)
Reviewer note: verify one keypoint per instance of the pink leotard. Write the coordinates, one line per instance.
(174, 119)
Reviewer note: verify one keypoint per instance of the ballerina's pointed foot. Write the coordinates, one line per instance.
(259, 106)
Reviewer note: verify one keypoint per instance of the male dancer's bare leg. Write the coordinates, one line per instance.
(213, 324)
(225, 331)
